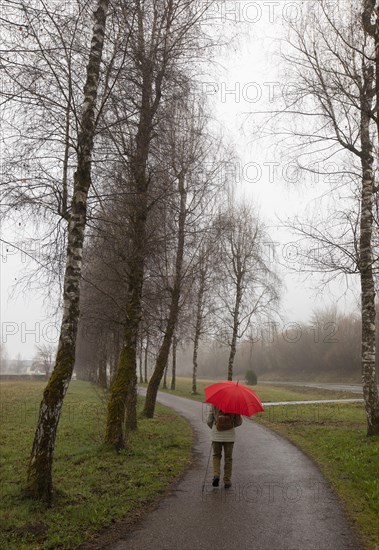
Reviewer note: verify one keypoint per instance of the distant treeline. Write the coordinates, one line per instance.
(327, 348)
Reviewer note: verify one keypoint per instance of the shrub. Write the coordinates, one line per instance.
(251, 378)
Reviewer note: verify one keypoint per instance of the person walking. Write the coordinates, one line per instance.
(223, 437)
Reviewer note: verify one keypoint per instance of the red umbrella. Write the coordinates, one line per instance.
(233, 397)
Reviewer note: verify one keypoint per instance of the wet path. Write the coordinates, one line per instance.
(279, 500)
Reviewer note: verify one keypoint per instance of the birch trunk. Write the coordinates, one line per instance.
(155, 48)
(39, 479)
(102, 366)
(173, 379)
(233, 343)
(198, 327)
(194, 362)
(163, 354)
(127, 363)
(372, 29)
(370, 391)
(141, 362)
(62, 209)
(146, 359)
(131, 405)
(115, 354)
(164, 385)
(151, 93)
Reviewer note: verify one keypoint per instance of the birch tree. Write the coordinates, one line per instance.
(166, 33)
(39, 483)
(149, 69)
(202, 310)
(43, 359)
(185, 151)
(248, 286)
(336, 79)
(370, 23)
(45, 51)
(102, 297)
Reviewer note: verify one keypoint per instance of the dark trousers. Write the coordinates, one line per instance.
(218, 446)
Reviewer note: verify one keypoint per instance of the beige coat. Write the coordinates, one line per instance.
(226, 435)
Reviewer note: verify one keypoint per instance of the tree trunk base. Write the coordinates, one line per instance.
(118, 399)
(373, 427)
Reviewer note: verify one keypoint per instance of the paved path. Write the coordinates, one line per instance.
(313, 402)
(279, 499)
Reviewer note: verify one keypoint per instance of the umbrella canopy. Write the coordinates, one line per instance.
(233, 397)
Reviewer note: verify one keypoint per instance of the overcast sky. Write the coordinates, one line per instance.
(248, 80)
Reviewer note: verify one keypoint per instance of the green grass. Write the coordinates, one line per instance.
(334, 436)
(94, 485)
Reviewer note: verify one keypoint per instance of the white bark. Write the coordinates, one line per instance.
(39, 483)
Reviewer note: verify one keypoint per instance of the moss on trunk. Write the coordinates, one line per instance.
(39, 483)
(39, 478)
(163, 355)
(117, 404)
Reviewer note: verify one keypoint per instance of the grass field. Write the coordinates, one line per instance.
(95, 486)
(334, 436)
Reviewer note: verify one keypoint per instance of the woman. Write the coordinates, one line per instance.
(223, 437)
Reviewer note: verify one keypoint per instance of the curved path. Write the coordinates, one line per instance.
(279, 499)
